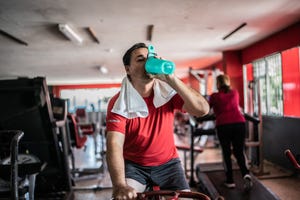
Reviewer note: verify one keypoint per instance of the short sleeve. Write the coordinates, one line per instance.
(114, 122)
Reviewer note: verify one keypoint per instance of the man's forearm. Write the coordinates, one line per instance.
(116, 170)
(115, 163)
(194, 102)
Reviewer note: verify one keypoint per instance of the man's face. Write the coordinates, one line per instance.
(136, 69)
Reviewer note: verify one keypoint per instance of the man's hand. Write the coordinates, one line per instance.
(163, 77)
(124, 193)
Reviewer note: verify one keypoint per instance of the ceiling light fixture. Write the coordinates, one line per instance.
(103, 69)
(70, 33)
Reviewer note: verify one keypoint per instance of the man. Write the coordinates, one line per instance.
(140, 142)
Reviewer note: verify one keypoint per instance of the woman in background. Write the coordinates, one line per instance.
(231, 129)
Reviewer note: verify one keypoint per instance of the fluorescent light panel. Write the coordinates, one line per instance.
(70, 33)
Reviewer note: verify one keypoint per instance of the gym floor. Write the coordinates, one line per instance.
(281, 182)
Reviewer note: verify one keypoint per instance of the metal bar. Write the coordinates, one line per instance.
(235, 30)
(93, 34)
(13, 37)
(150, 32)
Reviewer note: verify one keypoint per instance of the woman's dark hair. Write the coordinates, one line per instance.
(223, 83)
(127, 55)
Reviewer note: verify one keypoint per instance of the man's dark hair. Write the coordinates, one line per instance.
(127, 55)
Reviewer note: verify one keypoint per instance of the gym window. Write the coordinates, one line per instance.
(268, 73)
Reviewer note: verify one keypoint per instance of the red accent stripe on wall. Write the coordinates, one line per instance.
(57, 89)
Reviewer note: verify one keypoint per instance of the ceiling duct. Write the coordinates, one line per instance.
(150, 32)
(235, 30)
(93, 34)
(10, 36)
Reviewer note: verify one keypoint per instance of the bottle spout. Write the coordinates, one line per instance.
(151, 51)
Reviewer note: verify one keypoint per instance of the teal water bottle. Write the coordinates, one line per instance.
(158, 66)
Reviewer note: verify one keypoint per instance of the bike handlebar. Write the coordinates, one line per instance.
(292, 158)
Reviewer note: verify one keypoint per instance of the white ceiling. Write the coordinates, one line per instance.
(188, 32)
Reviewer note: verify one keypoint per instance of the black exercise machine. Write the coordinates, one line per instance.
(198, 132)
(18, 171)
(76, 135)
(25, 105)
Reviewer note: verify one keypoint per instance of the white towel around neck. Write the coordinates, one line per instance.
(130, 104)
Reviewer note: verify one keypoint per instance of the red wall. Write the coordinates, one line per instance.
(282, 42)
(285, 39)
(233, 61)
(291, 82)
(249, 72)
(234, 69)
